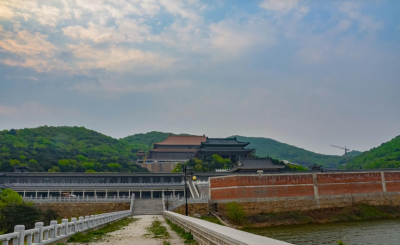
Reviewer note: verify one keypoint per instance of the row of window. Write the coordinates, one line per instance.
(24, 180)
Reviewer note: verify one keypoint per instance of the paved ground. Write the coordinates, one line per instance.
(134, 233)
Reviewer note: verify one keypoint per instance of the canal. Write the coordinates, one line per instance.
(376, 232)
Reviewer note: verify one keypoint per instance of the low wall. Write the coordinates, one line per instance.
(83, 209)
(209, 233)
(287, 192)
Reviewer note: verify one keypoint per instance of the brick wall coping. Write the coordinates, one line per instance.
(307, 173)
(205, 232)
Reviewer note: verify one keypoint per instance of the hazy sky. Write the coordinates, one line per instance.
(307, 73)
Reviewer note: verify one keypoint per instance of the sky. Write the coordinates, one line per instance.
(307, 73)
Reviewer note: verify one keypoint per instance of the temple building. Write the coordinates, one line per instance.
(176, 148)
(225, 147)
(257, 165)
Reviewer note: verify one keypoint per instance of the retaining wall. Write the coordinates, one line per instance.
(287, 192)
(83, 209)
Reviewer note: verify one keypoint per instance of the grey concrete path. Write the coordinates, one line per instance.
(135, 233)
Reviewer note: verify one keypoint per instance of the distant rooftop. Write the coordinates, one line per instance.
(183, 140)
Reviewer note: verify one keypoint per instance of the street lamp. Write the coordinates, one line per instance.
(187, 175)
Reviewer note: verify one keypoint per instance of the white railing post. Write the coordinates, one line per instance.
(87, 221)
(73, 228)
(21, 236)
(53, 232)
(64, 229)
(38, 237)
(81, 223)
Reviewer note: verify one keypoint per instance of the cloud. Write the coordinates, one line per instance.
(5, 12)
(26, 43)
(118, 87)
(119, 59)
(127, 30)
(234, 37)
(366, 22)
(32, 108)
(283, 6)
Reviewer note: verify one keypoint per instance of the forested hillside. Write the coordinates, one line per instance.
(143, 141)
(65, 149)
(77, 149)
(275, 149)
(386, 155)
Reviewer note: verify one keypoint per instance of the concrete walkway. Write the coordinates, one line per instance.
(134, 233)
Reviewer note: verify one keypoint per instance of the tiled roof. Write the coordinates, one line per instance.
(183, 140)
(173, 150)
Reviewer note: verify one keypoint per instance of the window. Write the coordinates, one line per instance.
(81, 181)
(46, 180)
(145, 179)
(114, 180)
(92, 180)
(13, 180)
(102, 180)
(35, 180)
(69, 180)
(167, 179)
(156, 180)
(135, 180)
(124, 180)
(177, 179)
(24, 180)
(1, 180)
(58, 180)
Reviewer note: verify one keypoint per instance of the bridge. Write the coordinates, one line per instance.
(203, 232)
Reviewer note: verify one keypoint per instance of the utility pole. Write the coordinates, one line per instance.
(345, 151)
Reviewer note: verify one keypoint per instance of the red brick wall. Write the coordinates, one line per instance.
(301, 185)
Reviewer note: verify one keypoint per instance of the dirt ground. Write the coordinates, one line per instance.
(136, 231)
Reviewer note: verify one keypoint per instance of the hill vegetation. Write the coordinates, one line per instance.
(65, 149)
(387, 155)
(77, 149)
(275, 149)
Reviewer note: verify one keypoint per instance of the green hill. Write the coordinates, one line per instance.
(65, 149)
(275, 149)
(387, 155)
(143, 140)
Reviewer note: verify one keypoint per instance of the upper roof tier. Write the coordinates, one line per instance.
(226, 142)
(183, 140)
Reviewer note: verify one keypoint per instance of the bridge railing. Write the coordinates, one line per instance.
(205, 232)
(116, 185)
(78, 199)
(41, 234)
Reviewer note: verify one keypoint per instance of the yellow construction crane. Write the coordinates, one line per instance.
(147, 153)
(345, 151)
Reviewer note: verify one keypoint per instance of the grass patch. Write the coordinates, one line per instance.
(157, 230)
(182, 233)
(98, 235)
(211, 219)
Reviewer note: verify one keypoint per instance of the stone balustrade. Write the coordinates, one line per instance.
(78, 199)
(120, 185)
(205, 232)
(41, 234)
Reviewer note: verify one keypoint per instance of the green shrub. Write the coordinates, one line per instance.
(235, 212)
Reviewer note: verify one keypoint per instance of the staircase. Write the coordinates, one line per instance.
(147, 206)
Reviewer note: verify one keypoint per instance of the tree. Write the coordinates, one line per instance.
(9, 196)
(114, 166)
(235, 212)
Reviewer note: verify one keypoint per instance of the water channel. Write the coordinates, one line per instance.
(371, 232)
